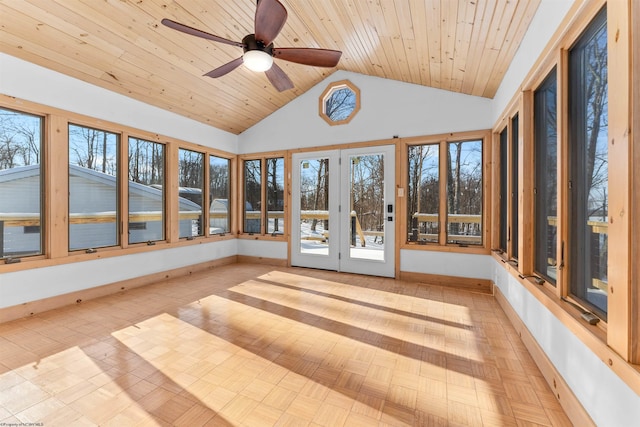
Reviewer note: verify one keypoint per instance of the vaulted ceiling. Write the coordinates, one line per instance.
(463, 46)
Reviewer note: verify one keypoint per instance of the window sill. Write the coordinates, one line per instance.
(39, 261)
(277, 237)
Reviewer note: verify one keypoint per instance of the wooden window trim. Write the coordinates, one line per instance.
(328, 91)
(54, 166)
(204, 214)
(231, 199)
(618, 341)
(263, 235)
(403, 182)
(518, 108)
(118, 186)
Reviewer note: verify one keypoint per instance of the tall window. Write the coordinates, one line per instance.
(20, 184)
(464, 192)
(588, 171)
(423, 198)
(190, 192)
(264, 195)
(513, 227)
(146, 191)
(219, 191)
(503, 195)
(275, 195)
(455, 215)
(93, 188)
(546, 176)
(252, 196)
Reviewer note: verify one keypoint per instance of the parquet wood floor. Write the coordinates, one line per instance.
(253, 345)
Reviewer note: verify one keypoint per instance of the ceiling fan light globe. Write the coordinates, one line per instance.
(257, 60)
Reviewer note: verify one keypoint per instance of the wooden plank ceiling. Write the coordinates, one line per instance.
(459, 45)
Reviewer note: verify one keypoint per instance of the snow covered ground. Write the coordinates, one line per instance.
(311, 242)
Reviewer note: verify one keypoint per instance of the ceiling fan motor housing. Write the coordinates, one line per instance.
(250, 43)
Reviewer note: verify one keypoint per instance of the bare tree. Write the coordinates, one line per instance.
(219, 179)
(20, 138)
(190, 170)
(320, 196)
(146, 162)
(93, 149)
(340, 104)
(252, 182)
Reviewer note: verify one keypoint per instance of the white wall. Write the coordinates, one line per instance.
(31, 82)
(548, 17)
(446, 264)
(262, 249)
(39, 283)
(607, 399)
(388, 108)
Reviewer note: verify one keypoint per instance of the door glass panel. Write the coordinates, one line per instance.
(366, 222)
(314, 206)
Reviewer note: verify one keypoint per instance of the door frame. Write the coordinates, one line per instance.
(339, 258)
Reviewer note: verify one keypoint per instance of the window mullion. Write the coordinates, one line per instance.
(206, 198)
(172, 205)
(623, 332)
(562, 284)
(56, 183)
(526, 180)
(123, 182)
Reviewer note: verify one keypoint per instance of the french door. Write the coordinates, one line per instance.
(343, 210)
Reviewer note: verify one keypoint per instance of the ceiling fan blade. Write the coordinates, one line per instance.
(309, 56)
(198, 33)
(270, 18)
(226, 68)
(279, 78)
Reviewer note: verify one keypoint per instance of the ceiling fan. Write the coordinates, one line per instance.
(259, 50)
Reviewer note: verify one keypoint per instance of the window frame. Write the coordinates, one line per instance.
(166, 188)
(443, 140)
(118, 187)
(514, 186)
(509, 188)
(502, 150)
(329, 90)
(44, 239)
(553, 72)
(574, 244)
(203, 193)
(264, 212)
(617, 341)
(414, 238)
(231, 185)
(54, 191)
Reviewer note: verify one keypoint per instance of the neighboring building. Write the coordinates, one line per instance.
(94, 218)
